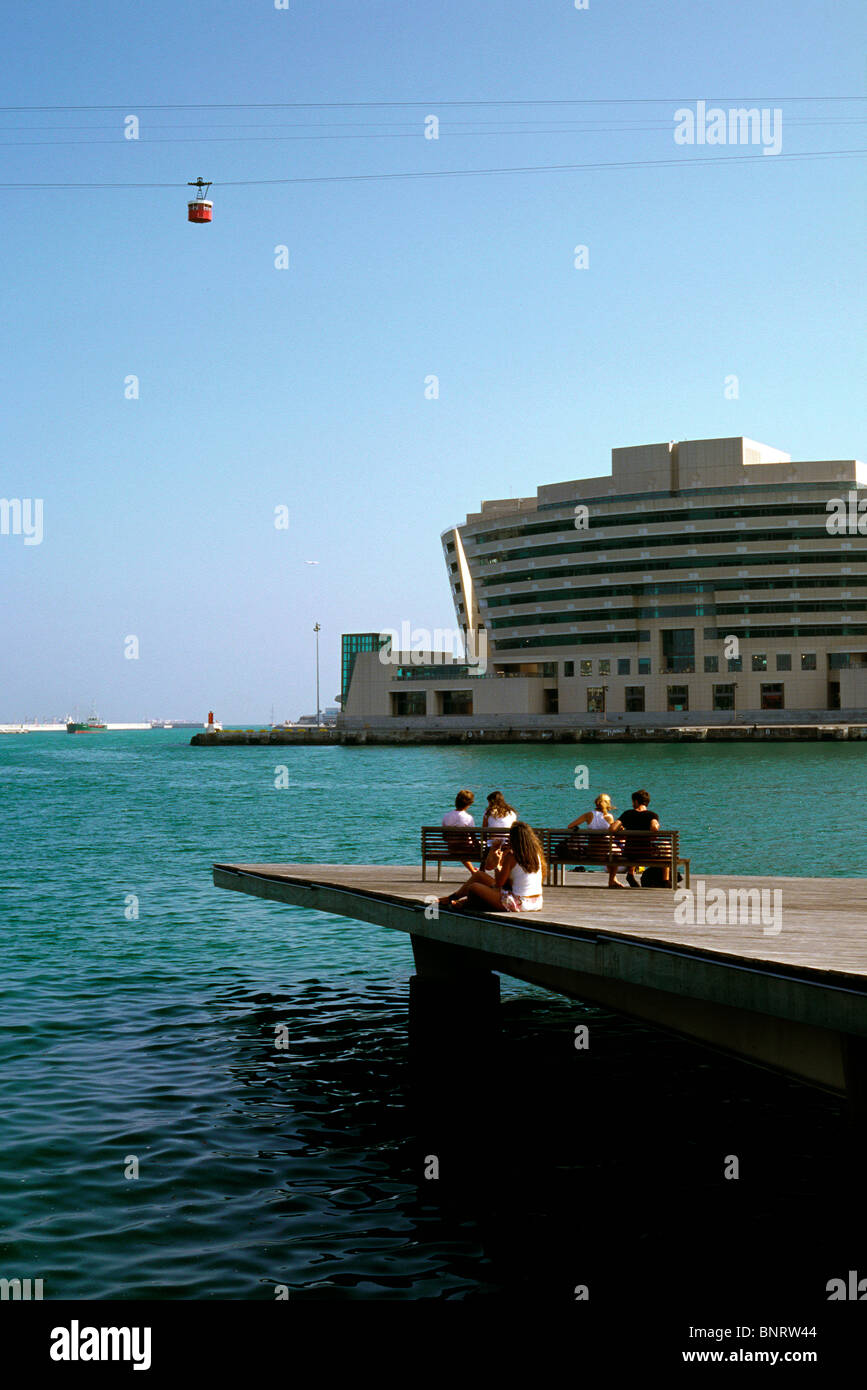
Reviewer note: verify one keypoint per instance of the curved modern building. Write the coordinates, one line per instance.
(706, 580)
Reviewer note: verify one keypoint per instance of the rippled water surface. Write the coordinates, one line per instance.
(153, 1038)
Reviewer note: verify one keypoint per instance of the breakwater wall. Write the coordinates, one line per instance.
(372, 737)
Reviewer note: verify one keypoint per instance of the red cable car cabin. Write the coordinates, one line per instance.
(201, 209)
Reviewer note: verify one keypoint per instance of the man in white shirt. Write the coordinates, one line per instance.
(460, 816)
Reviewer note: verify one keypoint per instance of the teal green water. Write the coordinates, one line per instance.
(154, 1037)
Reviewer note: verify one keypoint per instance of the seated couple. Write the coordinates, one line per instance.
(516, 883)
(625, 853)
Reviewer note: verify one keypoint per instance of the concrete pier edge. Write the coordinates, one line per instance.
(408, 735)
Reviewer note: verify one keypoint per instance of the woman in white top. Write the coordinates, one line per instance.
(499, 816)
(602, 819)
(517, 884)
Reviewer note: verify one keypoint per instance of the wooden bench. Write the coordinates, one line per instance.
(591, 847)
(448, 844)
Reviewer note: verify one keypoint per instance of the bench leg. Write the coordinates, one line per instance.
(424, 870)
(439, 871)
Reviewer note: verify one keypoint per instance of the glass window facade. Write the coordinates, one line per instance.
(623, 665)
(724, 697)
(634, 700)
(455, 701)
(553, 527)
(842, 661)
(573, 639)
(727, 538)
(773, 696)
(595, 699)
(711, 663)
(759, 661)
(351, 643)
(678, 649)
(674, 586)
(436, 673)
(808, 661)
(668, 562)
(678, 697)
(784, 661)
(408, 702)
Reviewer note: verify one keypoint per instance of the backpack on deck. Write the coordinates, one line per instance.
(654, 877)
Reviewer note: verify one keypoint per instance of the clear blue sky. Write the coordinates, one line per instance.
(305, 387)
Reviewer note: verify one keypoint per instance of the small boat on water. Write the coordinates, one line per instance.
(92, 725)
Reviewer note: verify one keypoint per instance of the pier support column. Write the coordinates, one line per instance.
(855, 1073)
(454, 1003)
(454, 1034)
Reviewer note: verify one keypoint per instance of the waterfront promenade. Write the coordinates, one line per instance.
(541, 730)
(788, 992)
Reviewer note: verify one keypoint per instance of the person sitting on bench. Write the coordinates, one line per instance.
(499, 816)
(639, 818)
(460, 816)
(600, 819)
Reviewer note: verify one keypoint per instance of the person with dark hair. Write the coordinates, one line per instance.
(517, 884)
(499, 816)
(639, 818)
(458, 818)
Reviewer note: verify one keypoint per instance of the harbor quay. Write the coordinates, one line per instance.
(462, 731)
(776, 976)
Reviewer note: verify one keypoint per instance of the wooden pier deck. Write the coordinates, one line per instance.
(788, 990)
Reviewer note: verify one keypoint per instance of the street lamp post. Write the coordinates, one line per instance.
(317, 630)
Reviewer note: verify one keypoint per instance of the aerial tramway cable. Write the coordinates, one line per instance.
(463, 173)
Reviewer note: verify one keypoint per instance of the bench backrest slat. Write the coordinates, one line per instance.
(563, 845)
(648, 846)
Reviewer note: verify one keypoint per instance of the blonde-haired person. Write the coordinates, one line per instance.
(517, 884)
(601, 819)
